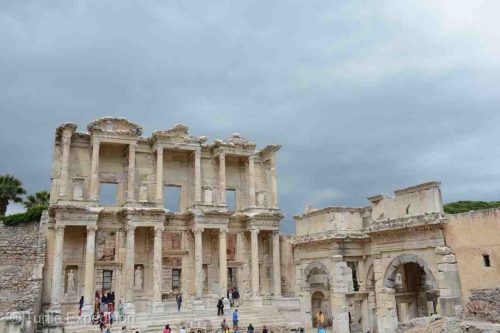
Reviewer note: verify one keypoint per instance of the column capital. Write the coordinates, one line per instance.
(129, 228)
(276, 233)
(91, 228)
(158, 230)
(223, 231)
(198, 229)
(59, 227)
(254, 231)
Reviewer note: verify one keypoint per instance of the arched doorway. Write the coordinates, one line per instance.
(320, 302)
(318, 283)
(415, 287)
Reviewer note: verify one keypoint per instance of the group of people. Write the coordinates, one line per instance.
(235, 318)
(233, 296)
(104, 310)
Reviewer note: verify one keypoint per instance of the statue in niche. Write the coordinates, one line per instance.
(207, 196)
(70, 284)
(138, 278)
(262, 199)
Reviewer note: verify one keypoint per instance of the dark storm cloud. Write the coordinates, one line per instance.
(365, 97)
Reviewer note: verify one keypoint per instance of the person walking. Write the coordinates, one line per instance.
(178, 300)
(220, 307)
(80, 307)
(264, 329)
(167, 329)
(236, 297)
(250, 328)
(183, 329)
(235, 318)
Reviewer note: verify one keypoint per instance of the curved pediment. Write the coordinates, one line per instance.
(114, 126)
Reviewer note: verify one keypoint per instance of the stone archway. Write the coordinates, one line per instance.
(392, 269)
(414, 287)
(317, 282)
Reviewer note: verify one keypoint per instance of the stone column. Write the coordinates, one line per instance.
(159, 175)
(131, 172)
(157, 267)
(222, 178)
(55, 299)
(197, 175)
(251, 182)
(89, 286)
(255, 261)
(365, 316)
(338, 296)
(198, 261)
(129, 271)
(450, 295)
(66, 143)
(223, 262)
(276, 264)
(94, 175)
(361, 275)
(274, 185)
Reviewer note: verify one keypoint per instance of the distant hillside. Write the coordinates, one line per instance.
(466, 206)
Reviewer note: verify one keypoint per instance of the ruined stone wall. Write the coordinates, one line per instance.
(22, 256)
(470, 236)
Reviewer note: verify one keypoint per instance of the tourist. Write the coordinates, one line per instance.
(250, 328)
(236, 329)
(230, 297)
(167, 329)
(80, 307)
(220, 307)
(226, 329)
(108, 330)
(178, 300)
(97, 302)
(236, 297)
(223, 324)
(101, 321)
(322, 330)
(104, 302)
(320, 319)
(183, 329)
(235, 318)
(121, 312)
(124, 329)
(264, 329)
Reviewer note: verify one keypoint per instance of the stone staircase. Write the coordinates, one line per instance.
(154, 323)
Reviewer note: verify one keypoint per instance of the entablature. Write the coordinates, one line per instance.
(407, 224)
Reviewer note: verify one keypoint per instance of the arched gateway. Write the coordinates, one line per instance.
(317, 279)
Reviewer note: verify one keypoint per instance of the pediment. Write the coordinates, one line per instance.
(114, 126)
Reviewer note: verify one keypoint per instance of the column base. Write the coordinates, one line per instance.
(87, 311)
(129, 308)
(52, 321)
(255, 301)
(158, 307)
(198, 305)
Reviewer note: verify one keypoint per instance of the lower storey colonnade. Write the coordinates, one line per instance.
(145, 267)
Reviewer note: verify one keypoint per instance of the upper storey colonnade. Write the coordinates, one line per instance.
(113, 152)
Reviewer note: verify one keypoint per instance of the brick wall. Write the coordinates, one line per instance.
(22, 257)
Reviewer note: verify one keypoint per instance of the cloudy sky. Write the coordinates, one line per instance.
(364, 96)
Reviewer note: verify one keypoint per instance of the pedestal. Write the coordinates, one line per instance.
(198, 305)
(255, 301)
(87, 311)
(53, 321)
(129, 309)
(158, 307)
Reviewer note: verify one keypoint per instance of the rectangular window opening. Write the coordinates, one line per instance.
(107, 194)
(107, 278)
(231, 200)
(176, 278)
(172, 198)
(486, 260)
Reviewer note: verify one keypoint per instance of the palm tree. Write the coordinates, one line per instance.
(39, 198)
(11, 189)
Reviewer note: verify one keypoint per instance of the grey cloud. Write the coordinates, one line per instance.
(364, 97)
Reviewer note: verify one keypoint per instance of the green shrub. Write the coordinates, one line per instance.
(32, 214)
(466, 206)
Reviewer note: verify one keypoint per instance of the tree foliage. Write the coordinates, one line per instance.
(466, 206)
(32, 214)
(11, 189)
(39, 198)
